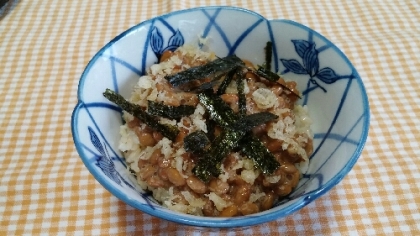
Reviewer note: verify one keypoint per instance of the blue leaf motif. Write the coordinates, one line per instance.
(310, 60)
(108, 167)
(176, 40)
(327, 75)
(294, 66)
(109, 170)
(301, 46)
(156, 40)
(95, 141)
(104, 162)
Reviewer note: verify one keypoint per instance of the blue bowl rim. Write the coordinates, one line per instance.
(221, 222)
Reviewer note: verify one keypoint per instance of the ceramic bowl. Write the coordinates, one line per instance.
(331, 88)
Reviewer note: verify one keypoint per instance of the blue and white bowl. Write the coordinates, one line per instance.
(331, 86)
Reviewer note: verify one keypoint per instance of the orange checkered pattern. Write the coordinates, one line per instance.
(46, 189)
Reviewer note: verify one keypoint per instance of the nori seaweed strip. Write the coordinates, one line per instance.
(273, 77)
(209, 164)
(204, 169)
(196, 142)
(217, 108)
(258, 152)
(267, 74)
(211, 69)
(240, 83)
(268, 54)
(235, 129)
(202, 87)
(248, 122)
(224, 116)
(228, 78)
(171, 112)
(211, 126)
(168, 131)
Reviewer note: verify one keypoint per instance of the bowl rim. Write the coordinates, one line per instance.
(213, 221)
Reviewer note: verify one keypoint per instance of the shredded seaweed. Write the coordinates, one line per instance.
(268, 54)
(240, 82)
(171, 112)
(196, 142)
(211, 127)
(273, 77)
(209, 70)
(228, 66)
(267, 74)
(168, 131)
(204, 171)
(258, 152)
(236, 135)
(235, 129)
(209, 164)
(248, 122)
(209, 85)
(225, 83)
(201, 87)
(217, 108)
(224, 116)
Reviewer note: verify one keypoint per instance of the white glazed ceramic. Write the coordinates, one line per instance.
(331, 88)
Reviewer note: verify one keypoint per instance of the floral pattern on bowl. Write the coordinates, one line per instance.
(330, 85)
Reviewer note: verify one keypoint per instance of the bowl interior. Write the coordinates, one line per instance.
(331, 87)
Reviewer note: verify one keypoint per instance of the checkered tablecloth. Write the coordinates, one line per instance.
(46, 189)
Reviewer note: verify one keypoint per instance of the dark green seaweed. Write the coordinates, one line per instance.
(235, 128)
(191, 87)
(268, 54)
(248, 122)
(168, 131)
(211, 127)
(209, 164)
(258, 152)
(196, 142)
(217, 108)
(267, 74)
(273, 77)
(205, 169)
(201, 87)
(210, 70)
(225, 83)
(224, 116)
(171, 112)
(240, 82)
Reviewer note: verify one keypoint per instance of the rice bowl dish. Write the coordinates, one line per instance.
(332, 95)
(165, 168)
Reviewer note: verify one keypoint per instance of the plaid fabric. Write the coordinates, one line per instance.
(46, 189)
